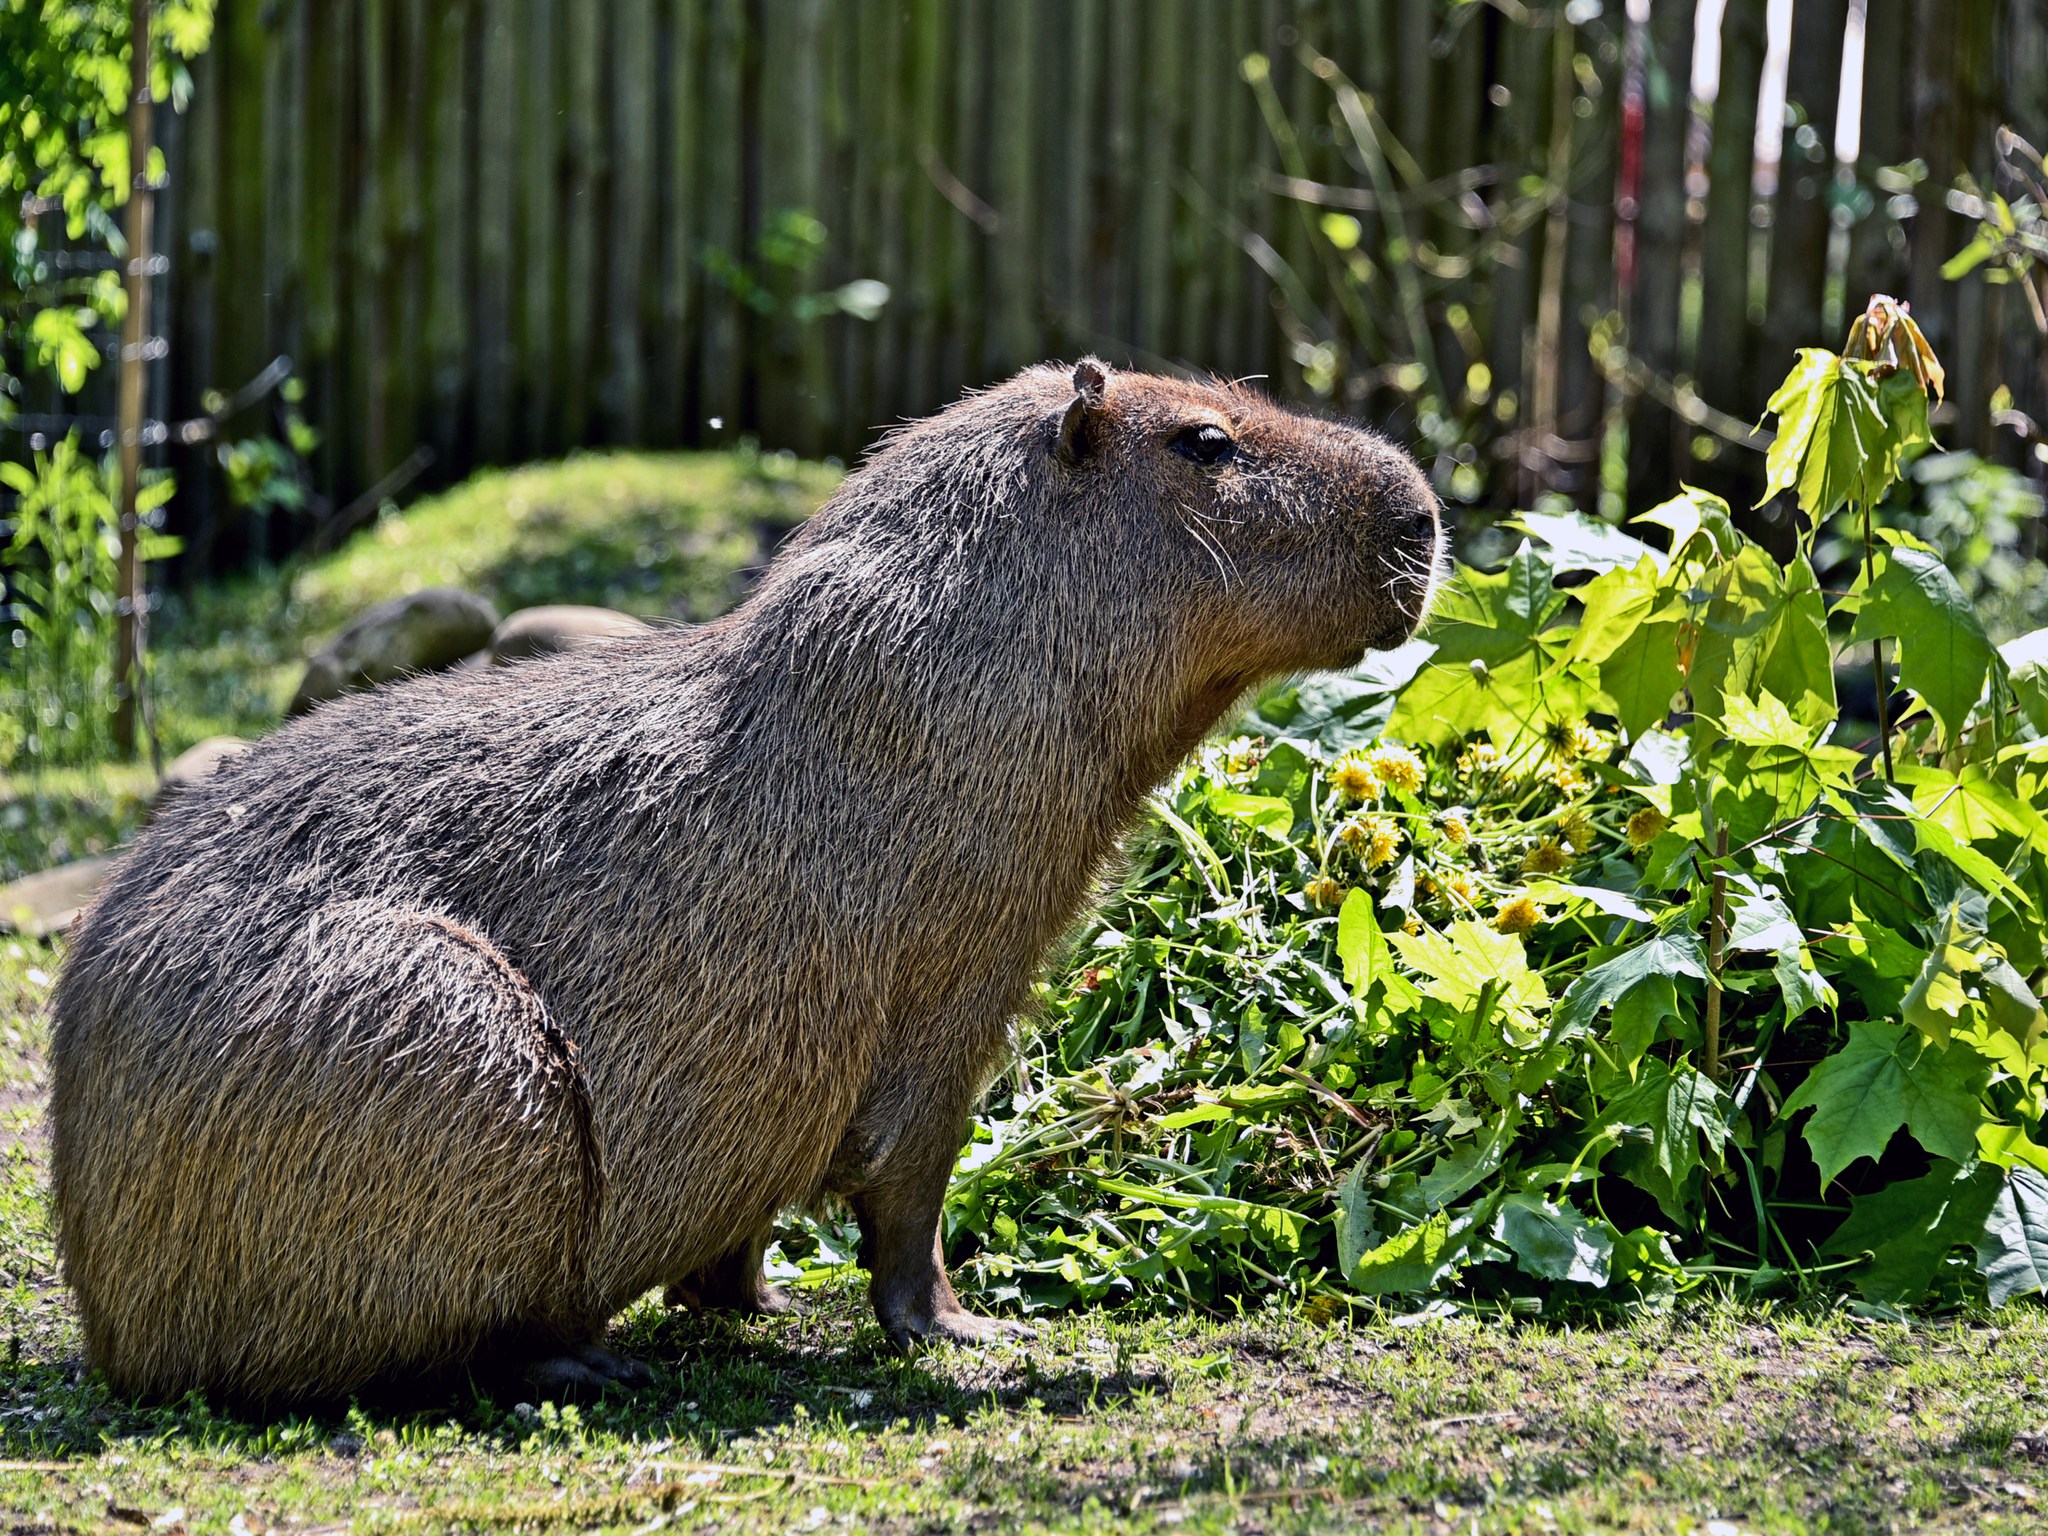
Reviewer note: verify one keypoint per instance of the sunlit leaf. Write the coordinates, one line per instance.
(1944, 654)
(1888, 1076)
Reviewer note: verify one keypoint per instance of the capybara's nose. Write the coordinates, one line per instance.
(1407, 502)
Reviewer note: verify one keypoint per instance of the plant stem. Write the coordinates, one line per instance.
(1717, 933)
(1884, 725)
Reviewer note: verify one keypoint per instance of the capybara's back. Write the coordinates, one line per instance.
(449, 1020)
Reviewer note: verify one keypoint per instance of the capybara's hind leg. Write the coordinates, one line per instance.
(388, 1161)
(733, 1282)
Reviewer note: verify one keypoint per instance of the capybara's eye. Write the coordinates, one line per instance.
(1206, 444)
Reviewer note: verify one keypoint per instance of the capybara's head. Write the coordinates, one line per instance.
(1299, 542)
(1130, 522)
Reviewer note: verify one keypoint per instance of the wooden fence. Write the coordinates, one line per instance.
(502, 229)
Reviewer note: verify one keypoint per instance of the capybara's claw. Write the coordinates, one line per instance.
(959, 1326)
(763, 1301)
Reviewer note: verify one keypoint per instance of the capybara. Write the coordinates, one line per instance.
(449, 1020)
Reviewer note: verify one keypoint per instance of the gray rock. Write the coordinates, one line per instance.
(45, 903)
(560, 627)
(424, 632)
(195, 763)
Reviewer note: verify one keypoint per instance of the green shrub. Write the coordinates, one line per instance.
(1566, 953)
(57, 628)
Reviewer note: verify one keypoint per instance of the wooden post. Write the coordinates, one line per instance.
(131, 600)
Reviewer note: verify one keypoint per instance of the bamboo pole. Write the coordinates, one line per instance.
(131, 601)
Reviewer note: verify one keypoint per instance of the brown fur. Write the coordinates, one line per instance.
(459, 1015)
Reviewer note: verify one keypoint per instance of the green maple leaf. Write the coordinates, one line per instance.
(1667, 955)
(1678, 1107)
(1495, 642)
(1842, 425)
(1886, 1077)
(1455, 967)
(1908, 1227)
(1763, 630)
(1629, 630)
(1944, 654)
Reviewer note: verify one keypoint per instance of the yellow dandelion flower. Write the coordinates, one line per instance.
(1643, 827)
(1324, 891)
(1517, 915)
(1355, 833)
(1459, 887)
(1546, 858)
(1354, 779)
(1396, 766)
(1425, 885)
(1569, 778)
(1481, 757)
(1383, 841)
(1577, 831)
(1589, 741)
(1456, 829)
(1413, 927)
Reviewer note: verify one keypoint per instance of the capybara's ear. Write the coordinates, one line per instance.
(1084, 412)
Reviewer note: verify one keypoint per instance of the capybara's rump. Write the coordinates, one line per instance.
(367, 1168)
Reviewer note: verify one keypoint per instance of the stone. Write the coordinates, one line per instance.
(560, 627)
(423, 632)
(43, 904)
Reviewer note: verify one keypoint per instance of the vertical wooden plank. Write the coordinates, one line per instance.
(1014, 255)
(1081, 185)
(1660, 243)
(194, 206)
(1516, 148)
(675, 395)
(1115, 312)
(962, 336)
(620, 222)
(284, 209)
(244, 183)
(579, 303)
(1588, 276)
(1877, 242)
(1163, 88)
(371, 255)
(325, 178)
(929, 219)
(870, 148)
(1719, 373)
(402, 299)
(539, 227)
(498, 130)
(1799, 234)
(446, 231)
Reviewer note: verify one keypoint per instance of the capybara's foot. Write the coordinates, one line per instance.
(760, 1300)
(582, 1374)
(733, 1282)
(955, 1325)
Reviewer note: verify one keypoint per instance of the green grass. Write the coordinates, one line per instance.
(658, 535)
(1801, 1418)
(1804, 1419)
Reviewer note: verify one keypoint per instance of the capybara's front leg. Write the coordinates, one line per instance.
(733, 1282)
(898, 1205)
